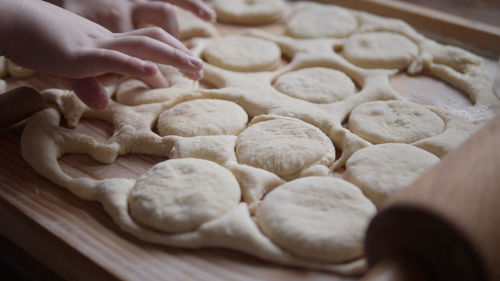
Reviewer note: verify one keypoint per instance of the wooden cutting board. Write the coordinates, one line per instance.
(77, 239)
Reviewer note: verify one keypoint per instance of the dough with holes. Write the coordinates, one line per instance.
(394, 121)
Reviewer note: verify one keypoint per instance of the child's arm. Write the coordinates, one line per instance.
(51, 40)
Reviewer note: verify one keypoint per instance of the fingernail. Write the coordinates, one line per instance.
(206, 13)
(195, 62)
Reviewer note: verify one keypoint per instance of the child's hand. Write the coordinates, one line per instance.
(126, 15)
(51, 40)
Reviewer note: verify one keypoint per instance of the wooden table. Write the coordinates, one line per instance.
(32, 207)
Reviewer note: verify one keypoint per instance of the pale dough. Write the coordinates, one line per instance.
(242, 53)
(320, 218)
(383, 169)
(180, 195)
(287, 135)
(321, 21)
(251, 12)
(192, 26)
(380, 50)
(284, 146)
(203, 117)
(17, 71)
(394, 121)
(316, 84)
(3, 67)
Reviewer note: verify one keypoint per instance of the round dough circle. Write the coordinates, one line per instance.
(284, 146)
(242, 53)
(181, 194)
(202, 117)
(394, 121)
(316, 84)
(321, 22)
(380, 50)
(383, 169)
(319, 218)
(250, 12)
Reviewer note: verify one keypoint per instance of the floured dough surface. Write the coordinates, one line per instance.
(321, 21)
(249, 12)
(380, 50)
(316, 84)
(242, 53)
(203, 117)
(394, 121)
(179, 195)
(321, 218)
(284, 146)
(383, 169)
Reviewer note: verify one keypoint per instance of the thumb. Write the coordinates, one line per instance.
(90, 92)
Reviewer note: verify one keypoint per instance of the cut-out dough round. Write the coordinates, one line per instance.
(284, 146)
(181, 194)
(249, 11)
(242, 53)
(394, 121)
(320, 218)
(203, 117)
(383, 169)
(380, 50)
(316, 84)
(321, 22)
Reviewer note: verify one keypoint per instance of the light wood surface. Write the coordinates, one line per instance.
(76, 238)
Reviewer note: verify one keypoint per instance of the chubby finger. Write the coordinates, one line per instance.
(153, 50)
(156, 81)
(99, 61)
(158, 34)
(156, 13)
(197, 7)
(90, 92)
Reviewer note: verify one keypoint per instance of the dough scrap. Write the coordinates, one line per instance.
(319, 218)
(203, 117)
(17, 71)
(242, 53)
(284, 146)
(249, 12)
(180, 195)
(321, 22)
(316, 84)
(380, 50)
(394, 121)
(383, 169)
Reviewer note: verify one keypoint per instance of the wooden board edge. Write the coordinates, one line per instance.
(473, 35)
(20, 229)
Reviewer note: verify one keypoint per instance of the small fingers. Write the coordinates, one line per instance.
(90, 91)
(197, 7)
(153, 50)
(158, 34)
(99, 61)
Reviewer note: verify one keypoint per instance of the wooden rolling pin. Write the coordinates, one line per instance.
(446, 226)
(18, 104)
